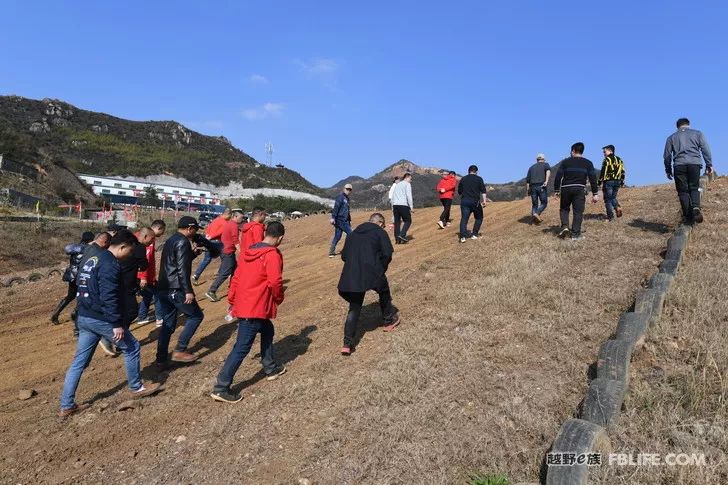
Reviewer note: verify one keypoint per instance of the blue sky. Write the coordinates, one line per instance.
(344, 88)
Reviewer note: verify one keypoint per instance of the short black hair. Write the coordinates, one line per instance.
(578, 148)
(472, 169)
(87, 237)
(158, 223)
(275, 229)
(407, 174)
(257, 210)
(451, 172)
(396, 179)
(682, 122)
(609, 147)
(377, 218)
(124, 236)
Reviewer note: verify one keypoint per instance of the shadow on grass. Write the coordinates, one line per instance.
(657, 227)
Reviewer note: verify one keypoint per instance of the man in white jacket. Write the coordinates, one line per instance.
(402, 207)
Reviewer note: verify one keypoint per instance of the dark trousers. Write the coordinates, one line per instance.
(207, 258)
(539, 199)
(687, 183)
(172, 302)
(401, 214)
(572, 197)
(356, 301)
(248, 328)
(445, 216)
(610, 190)
(467, 207)
(66, 300)
(227, 267)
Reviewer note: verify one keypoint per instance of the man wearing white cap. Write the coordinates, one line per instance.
(340, 218)
(537, 181)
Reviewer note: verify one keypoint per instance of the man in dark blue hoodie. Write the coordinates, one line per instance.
(340, 218)
(101, 314)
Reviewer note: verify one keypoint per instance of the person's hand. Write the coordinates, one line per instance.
(118, 333)
(189, 298)
(669, 175)
(442, 191)
(708, 170)
(142, 283)
(556, 195)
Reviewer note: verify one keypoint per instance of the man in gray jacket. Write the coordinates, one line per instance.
(402, 207)
(684, 153)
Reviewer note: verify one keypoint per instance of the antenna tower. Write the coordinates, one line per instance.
(269, 153)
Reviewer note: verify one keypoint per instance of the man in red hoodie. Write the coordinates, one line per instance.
(255, 292)
(446, 190)
(253, 231)
(148, 277)
(230, 243)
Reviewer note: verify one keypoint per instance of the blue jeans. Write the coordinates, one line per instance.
(340, 227)
(171, 302)
(610, 189)
(539, 194)
(467, 207)
(206, 259)
(248, 328)
(90, 332)
(226, 270)
(148, 294)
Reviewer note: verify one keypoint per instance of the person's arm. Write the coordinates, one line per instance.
(336, 209)
(73, 248)
(557, 179)
(460, 187)
(548, 177)
(603, 171)
(109, 282)
(484, 191)
(233, 287)
(624, 173)
(386, 249)
(409, 196)
(274, 275)
(593, 179)
(667, 157)
(705, 149)
(183, 257)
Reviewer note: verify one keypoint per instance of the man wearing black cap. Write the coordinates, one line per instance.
(176, 293)
(611, 178)
(75, 254)
(230, 243)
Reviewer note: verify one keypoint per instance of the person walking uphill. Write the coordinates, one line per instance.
(569, 185)
(537, 181)
(472, 193)
(446, 191)
(213, 232)
(340, 218)
(75, 255)
(148, 277)
(230, 244)
(101, 314)
(255, 293)
(176, 293)
(402, 206)
(366, 255)
(611, 178)
(684, 153)
(254, 231)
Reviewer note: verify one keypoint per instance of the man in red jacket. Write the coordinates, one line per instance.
(446, 190)
(253, 231)
(255, 293)
(148, 277)
(230, 243)
(213, 232)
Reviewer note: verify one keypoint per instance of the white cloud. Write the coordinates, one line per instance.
(319, 66)
(267, 110)
(258, 79)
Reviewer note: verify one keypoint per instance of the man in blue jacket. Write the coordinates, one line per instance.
(100, 314)
(340, 218)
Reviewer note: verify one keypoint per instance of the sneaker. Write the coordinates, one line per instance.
(440, 225)
(144, 321)
(212, 296)
(402, 240)
(77, 408)
(537, 219)
(564, 232)
(226, 396)
(75, 335)
(576, 237)
(332, 255)
(697, 215)
(462, 239)
(195, 280)
(108, 348)
(158, 323)
(474, 237)
(618, 211)
(162, 366)
(54, 320)
(146, 390)
(276, 373)
(391, 323)
(183, 357)
(346, 350)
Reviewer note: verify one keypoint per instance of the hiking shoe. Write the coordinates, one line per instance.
(277, 372)
(462, 239)
(402, 240)
(440, 225)
(54, 320)
(146, 390)
(346, 350)
(564, 232)
(697, 215)
(183, 357)
(618, 211)
(144, 321)
(226, 396)
(576, 237)
(77, 408)
(158, 323)
(108, 348)
(537, 219)
(391, 323)
(212, 296)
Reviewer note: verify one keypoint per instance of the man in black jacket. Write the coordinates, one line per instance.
(176, 293)
(569, 185)
(473, 198)
(367, 253)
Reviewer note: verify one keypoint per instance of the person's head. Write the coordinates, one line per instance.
(378, 219)
(145, 236)
(122, 244)
(159, 226)
(113, 228)
(188, 226)
(227, 213)
(473, 169)
(682, 122)
(274, 233)
(258, 214)
(396, 179)
(87, 237)
(348, 189)
(102, 240)
(407, 177)
(541, 158)
(451, 173)
(577, 149)
(608, 150)
(237, 216)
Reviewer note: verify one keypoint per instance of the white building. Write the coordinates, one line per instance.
(135, 188)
